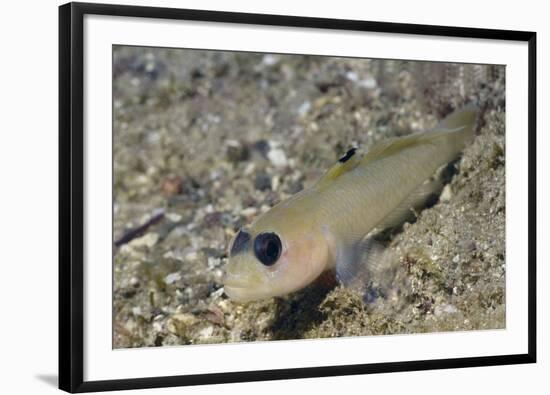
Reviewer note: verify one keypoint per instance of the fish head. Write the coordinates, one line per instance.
(274, 257)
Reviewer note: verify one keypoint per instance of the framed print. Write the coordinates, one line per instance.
(237, 188)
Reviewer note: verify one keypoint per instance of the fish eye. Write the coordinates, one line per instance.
(267, 248)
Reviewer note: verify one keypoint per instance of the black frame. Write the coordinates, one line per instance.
(71, 198)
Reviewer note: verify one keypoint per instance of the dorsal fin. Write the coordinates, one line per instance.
(388, 147)
(459, 121)
(347, 162)
(460, 124)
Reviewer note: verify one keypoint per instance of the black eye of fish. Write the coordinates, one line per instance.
(267, 248)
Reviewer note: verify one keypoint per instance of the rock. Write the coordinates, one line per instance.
(180, 324)
(295, 187)
(136, 311)
(275, 181)
(213, 263)
(270, 60)
(210, 252)
(237, 151)
(249, 212)
(171, 185)
(262, 182)
(172, 255)
(352, 76)
(172, 278)
(147, 240)
(207, 332)
(217, 293)
(444, 309)
(249, 169)
(192, 256)
(446, 194)
(368, 83)
(304, 108)
(277, 157)
(173, 217)
(263, 147)
(213, 219)
(134, 282)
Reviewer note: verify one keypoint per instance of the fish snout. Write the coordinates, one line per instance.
(231, 278)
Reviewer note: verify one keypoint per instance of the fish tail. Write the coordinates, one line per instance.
(462, 121)
(457, 129)
(459, 118)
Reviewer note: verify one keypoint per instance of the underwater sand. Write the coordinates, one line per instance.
(214, 139)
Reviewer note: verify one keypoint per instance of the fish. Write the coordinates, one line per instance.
(326, 227)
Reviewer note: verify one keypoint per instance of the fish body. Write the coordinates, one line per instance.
(323, 227)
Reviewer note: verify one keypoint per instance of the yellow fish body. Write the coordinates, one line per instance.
(321, 228)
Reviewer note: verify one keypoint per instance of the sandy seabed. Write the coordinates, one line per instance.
(213, 139)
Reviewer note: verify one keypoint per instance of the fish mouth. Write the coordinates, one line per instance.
(240, 294)
(238, 288)
(234, 281)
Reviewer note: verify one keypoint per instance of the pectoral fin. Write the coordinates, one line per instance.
(354, 259)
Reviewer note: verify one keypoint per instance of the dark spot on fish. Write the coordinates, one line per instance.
(267, 248)
(240, 243)
(348, 155)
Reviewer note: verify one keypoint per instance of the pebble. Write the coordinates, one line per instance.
(277, 157)
(171, 255)
(249, 169)
(218, 274)
(225, 305)
(173, 217)
(213, 262)
(262, 182)
(172, 278)
(217, 293)
(295, 187)
(249, 212)
(446, 194)
(179, 323)
(172, 185)
(262, 146)
(444, 309)
(213, 219)
(237, 151)
(275, 181)
(147, 240)
(206, 332)
(352, 76)
(304, 108)
(270, 60)
(369, 83)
